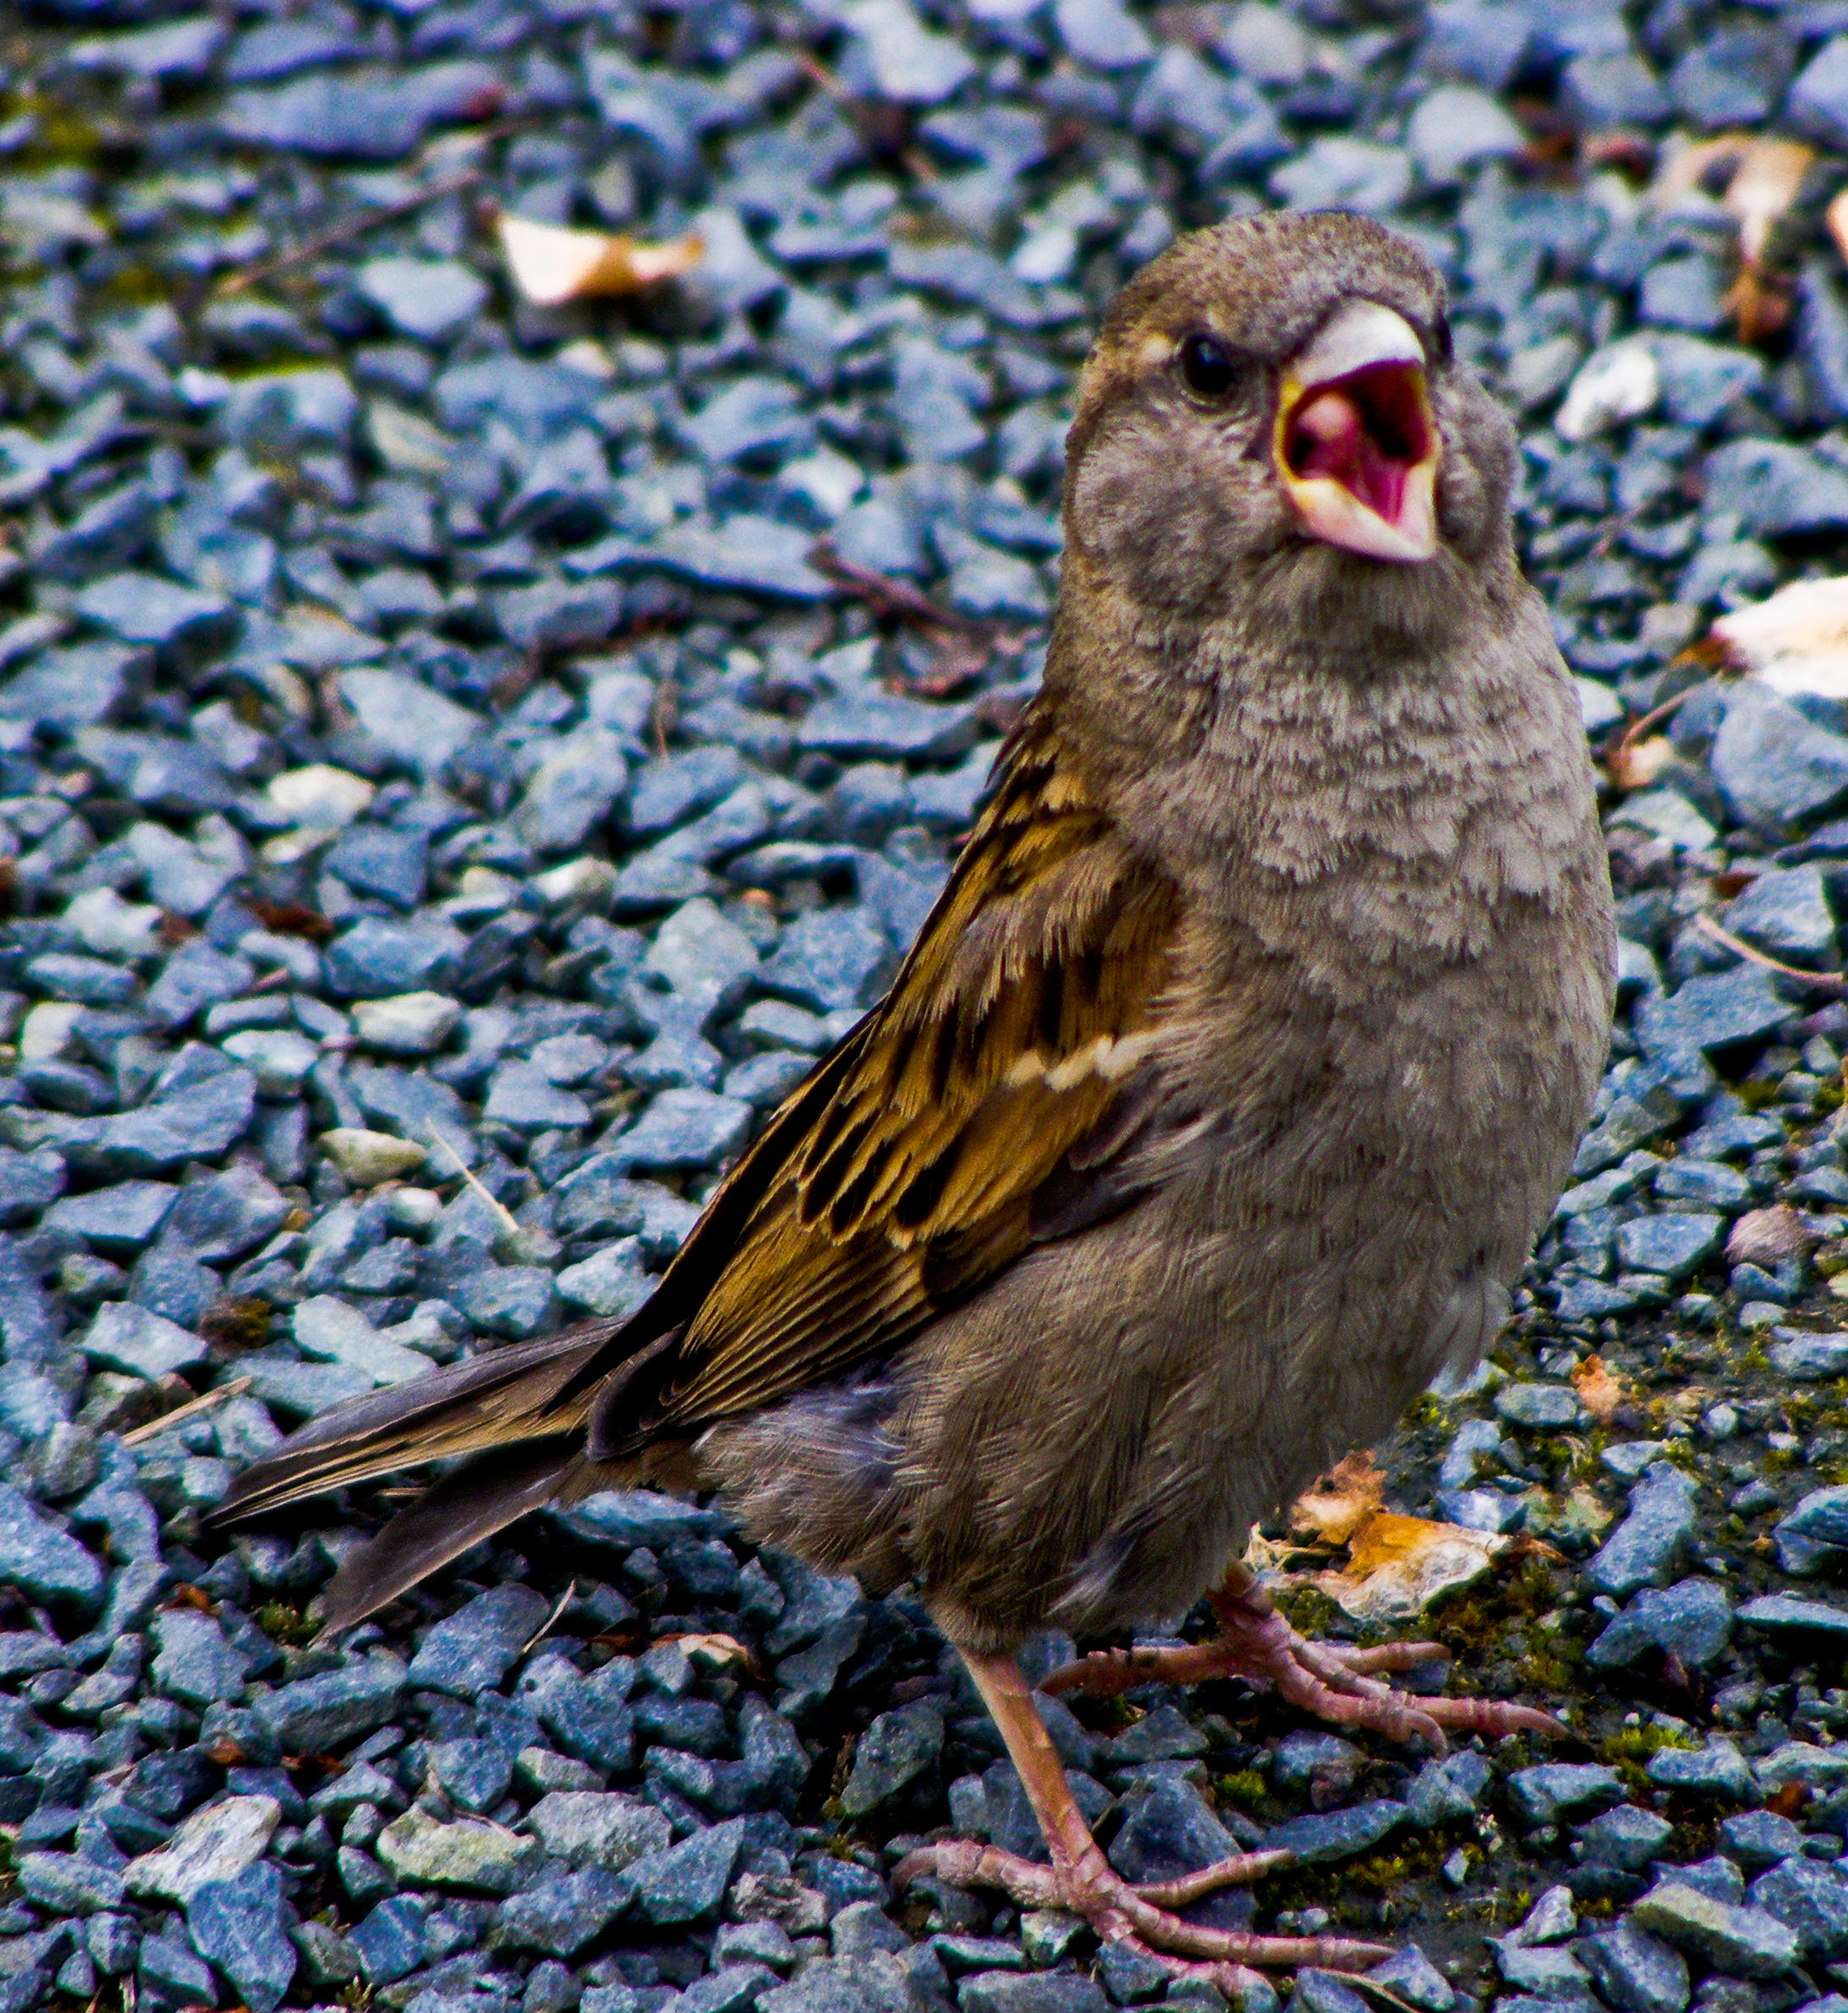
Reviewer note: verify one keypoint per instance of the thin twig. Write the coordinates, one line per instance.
(348, 228)
(191, 1410)
(1824, 981)
(1615, 528)
(1636, 729)
(860, 112)
(886, 596)
(546, 1626)
(1380, 1994)
(499, 1209)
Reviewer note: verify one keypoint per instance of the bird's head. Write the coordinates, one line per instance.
(1272, 420)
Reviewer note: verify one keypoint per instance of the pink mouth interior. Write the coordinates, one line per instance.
(1367, 432)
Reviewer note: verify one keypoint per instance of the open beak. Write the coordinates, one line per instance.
(1356, 445)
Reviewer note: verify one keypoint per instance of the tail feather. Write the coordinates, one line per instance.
(472, 1503)
(537, 1390)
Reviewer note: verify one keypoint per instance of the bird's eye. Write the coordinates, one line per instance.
(1442, 341)
(1208, 366)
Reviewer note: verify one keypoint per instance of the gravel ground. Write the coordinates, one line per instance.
(435, 731)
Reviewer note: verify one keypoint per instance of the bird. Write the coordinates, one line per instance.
(1210, 1117)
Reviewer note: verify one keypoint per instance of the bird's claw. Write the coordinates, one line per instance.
(1139, 1918)
(1334, 1682)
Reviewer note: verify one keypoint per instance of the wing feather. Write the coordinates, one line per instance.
(1031, 1001)
(1000, 1095)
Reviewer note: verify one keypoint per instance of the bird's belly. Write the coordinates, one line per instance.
(1086, 1443)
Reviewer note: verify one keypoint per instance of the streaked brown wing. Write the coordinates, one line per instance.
(906, 1172)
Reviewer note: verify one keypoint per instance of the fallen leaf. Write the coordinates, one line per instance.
(715, 1651)
(1759, 303)
(292, 919)
(1397, 1566)
(1635, 765)
(1764, 188)
(1268, 1557)
(1764, 179)
(1598, 1392)
(1685, 169)
(1334, 1508)
(1791, 1801)
(551, 265)
(1797, 641)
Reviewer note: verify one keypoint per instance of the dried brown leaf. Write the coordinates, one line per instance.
(1336, 1507)
(1759, 303)
(1635, 765)
(551, 265)
(1764, 180)
(1397, 1566)
(293, 919)
(1599, 1390)
(715, 1652)
(1797, 641)
(1835, 218)
(1764, 188)
(1684, 171)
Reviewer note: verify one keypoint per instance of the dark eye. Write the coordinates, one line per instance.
(1208, 366)
(1441, 339)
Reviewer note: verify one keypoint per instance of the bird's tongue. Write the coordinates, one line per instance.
(1332, 440)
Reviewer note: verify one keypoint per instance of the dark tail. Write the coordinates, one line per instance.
(478, 1499)
(517, 1417)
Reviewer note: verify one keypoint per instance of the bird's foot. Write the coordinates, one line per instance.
(1331, 1680)
(1141, 1918)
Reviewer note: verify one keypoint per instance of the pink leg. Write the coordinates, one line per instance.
(1082, 1879)
(1333, 1683)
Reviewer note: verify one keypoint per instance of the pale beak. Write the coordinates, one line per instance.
(1356, 445)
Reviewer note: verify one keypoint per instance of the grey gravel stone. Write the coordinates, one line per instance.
(685, 1882)
(1657, 1533)
(318, 1714)
(1692, 1620)
(44, 1561)
(1544, 1794)
(1044, 1991)
(893, 1752)
(1337, 1834)
(1716, 1770)
(1807, 1897)
(588, 1828)
(1625, 1837)
(1636, 1972)
(1759, 1838)
(1743, 1942)
(471, 1650)
(1776, 768)
(238, 1924)
(559, 1916)
(1815, 1533)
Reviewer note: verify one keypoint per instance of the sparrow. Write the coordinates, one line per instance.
(1214, 1111)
